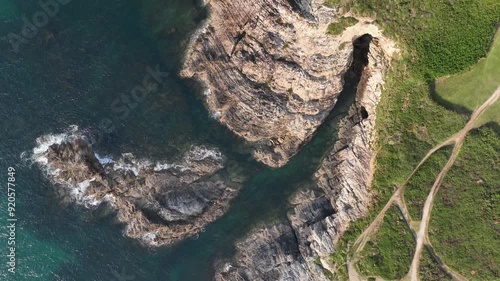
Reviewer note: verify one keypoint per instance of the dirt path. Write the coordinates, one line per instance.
(420, 229)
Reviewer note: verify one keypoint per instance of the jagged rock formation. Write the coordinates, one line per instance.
(322, 214)
(271, 73)
(344, 176)
(270, 254)
(160, 203)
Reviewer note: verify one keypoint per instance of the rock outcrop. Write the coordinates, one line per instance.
(160, 203)
(323, 213)
(344, 176)
(272, 74)
(270, 254)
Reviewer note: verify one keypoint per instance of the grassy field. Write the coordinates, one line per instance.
(465, 227)
(389, 254)
(472, 88)
(421, 183)
(438, 38)
(443, 37)
(430, 271)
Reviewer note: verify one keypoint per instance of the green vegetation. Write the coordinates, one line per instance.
(332, 2)
(420, 184)
(473, 87)
(404, 110)
(465, 227)
(438, 38)
(442, 37)
(336, 28)
(389, 255)
(429, 270)
(338, 259)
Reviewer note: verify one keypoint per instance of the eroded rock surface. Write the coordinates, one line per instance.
(270, 254)
(321, 214)
(344, 176)
(160, 203)
(271, 73)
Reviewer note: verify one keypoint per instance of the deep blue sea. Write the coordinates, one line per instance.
(71, 71)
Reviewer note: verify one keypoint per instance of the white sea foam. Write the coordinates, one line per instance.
(44, 142)
(150, 237)
(39, 156)
(127, 162)
(163, 166)
(79, 190)
(104, 159)
(216, 115)
(199, 153)
(90, 201)
(227, 267)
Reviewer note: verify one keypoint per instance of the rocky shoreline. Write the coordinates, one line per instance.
(159, 203)
(271, 74)
(299, 249)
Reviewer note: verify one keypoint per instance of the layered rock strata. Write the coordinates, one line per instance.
(160, 203)
(322, 214)
(271, 72)
(270, 254)
(344, 176)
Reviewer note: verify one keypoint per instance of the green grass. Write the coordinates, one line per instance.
(336, 28)
(473, 87)
(443, 37)
(409, 124)
(405, 105)
(465, 223)
(332, 2)
(420, 184)
(429, 270)
(437, 38)
(389, 254)
(338, 259)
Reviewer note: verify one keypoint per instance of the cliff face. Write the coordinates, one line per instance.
(344, 176)
(270, 254)
(322, 214)
(271, 72)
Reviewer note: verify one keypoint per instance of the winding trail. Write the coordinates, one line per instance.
(419, 228)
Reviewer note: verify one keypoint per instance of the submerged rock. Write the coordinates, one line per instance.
(160, 203)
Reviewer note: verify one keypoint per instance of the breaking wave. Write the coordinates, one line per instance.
(126, 163)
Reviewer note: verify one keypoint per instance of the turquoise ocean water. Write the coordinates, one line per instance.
(70, 73)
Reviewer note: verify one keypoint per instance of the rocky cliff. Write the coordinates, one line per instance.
(160, 203)
(270, 254)
(271, 73)
(344, 176)
(299, 250)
